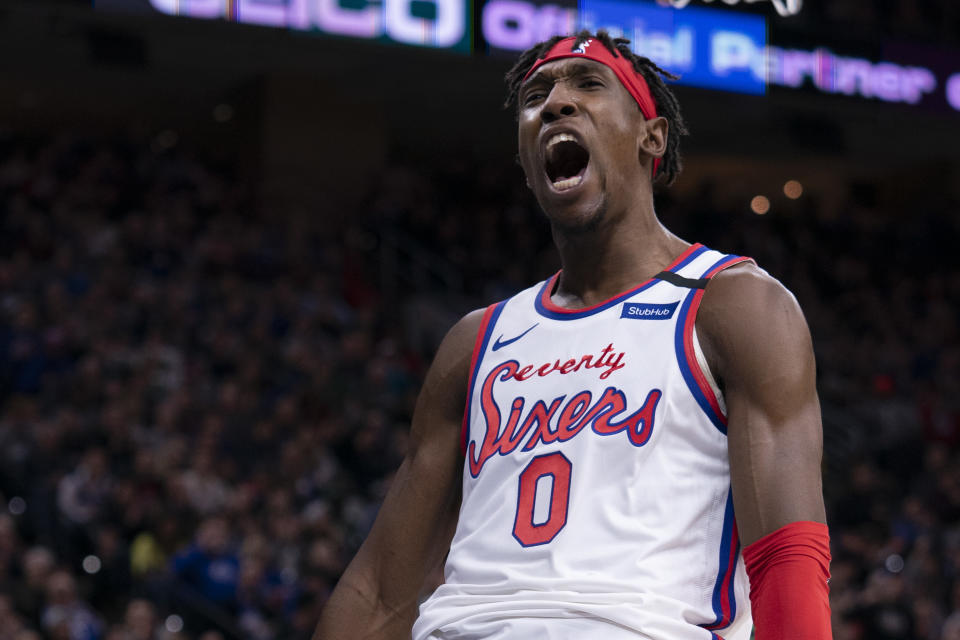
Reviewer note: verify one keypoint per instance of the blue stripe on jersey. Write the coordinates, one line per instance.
(728, 538)
(574, 315)
(695, 389)
(690, 258)
(724, 614)
(683, 358)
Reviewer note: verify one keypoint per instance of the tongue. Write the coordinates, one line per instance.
(568, 160)
(563, 175)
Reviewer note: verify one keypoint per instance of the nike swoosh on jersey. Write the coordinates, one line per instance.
(500, 343)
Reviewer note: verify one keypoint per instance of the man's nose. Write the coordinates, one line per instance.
(559, 103)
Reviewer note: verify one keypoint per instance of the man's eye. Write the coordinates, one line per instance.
(591, 83)
(532, 97)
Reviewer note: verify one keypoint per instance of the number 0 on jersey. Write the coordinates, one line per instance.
(556, 469)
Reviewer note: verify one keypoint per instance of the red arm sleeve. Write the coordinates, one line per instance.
(788, 571)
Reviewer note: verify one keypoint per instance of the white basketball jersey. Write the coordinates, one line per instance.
(596, 486)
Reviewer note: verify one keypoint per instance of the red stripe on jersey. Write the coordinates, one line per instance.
(688, 348)
(474, 362)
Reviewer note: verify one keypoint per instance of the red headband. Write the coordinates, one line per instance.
(623, 68)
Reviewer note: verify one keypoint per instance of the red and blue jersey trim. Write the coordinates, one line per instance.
(487, 324)
(547, 308)
(724, 600)
(686, 355)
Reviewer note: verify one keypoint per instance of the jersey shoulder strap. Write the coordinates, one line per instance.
(696, 273)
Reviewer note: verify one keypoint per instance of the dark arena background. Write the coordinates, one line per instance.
(231, 239)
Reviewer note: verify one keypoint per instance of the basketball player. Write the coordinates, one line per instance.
(642, 431)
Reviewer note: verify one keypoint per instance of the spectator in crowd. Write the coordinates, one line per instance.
(29, 593)
(210, 566)
(12, 624)
(65, 616)
(951, 628)
(139, 623)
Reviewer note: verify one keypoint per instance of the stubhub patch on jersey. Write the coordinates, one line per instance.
(648, 311)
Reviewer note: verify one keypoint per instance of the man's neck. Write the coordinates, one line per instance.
(600, 263)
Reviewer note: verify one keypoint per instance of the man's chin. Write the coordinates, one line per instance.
(576, 218)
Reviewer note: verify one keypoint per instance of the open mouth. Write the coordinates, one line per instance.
(566, 161)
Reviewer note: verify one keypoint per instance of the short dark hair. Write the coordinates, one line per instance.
(666, 101)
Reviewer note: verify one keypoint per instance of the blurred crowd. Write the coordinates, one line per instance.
(202, 399)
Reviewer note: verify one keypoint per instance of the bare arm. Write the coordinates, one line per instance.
(376, 598)
(757, 341)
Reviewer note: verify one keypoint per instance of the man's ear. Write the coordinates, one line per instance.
(653, 137)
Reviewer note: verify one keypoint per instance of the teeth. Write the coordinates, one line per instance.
(560, 137)
(569, 183)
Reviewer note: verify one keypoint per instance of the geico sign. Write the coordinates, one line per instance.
(371, 19)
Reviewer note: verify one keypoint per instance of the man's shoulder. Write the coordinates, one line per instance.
(456, 350)
(748, 315)
(466, 328)
(747, 286)
(473, 322)
(440, 404)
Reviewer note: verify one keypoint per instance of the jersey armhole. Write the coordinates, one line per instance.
(707, 373)
(479, 348)
(693, 364)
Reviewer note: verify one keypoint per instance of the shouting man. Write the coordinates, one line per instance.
(612, 453)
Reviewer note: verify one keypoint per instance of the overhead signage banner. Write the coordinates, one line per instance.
(830, 73)
(443, 24)
(730, 51)
(705, 47)
(943, 64)
(510, 26)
